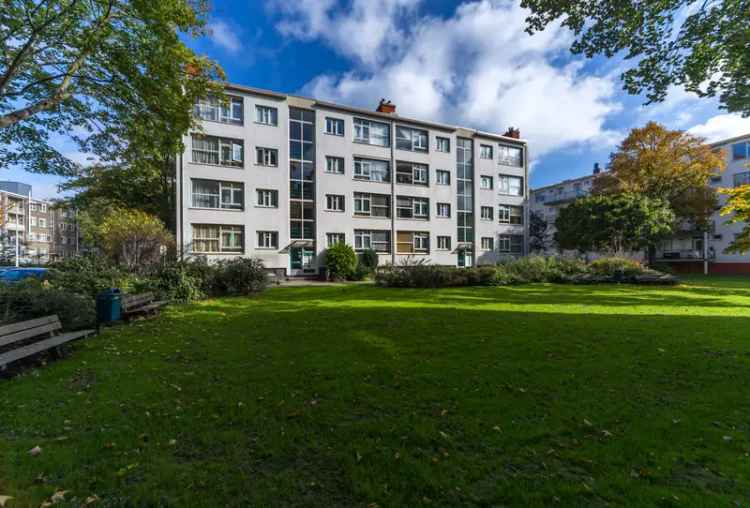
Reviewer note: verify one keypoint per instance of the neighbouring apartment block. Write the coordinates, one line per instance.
(45, 230)
(281, 178)
(688, 248)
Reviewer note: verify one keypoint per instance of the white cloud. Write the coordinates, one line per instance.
(477, 68)
(368, 31)
(224, 36)
(722, 127)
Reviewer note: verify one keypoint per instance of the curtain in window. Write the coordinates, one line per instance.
(205, 150)
(205, 194)
(205, 238)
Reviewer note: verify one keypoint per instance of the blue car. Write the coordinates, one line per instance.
(13, 275)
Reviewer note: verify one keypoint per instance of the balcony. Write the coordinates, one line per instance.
(560, 198)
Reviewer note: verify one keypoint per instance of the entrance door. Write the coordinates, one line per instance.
(465, 258)
(301, 261)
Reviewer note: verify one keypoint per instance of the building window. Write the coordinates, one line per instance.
(741, 150)
(486, 212)
(465, 195)
(444, 243)
(485, 152)
(334, 203)
(214, 238)
(510, 243)
(266, 115)
(443, 210)
(485, 182)
(412, 208)
(410, 173)
(219, 151)
(510, 214)
(412, 242)
(266, 156)
(443, 144)
(372, 133)
(510, 185)
(372, 205)
(218, 194)
(414, 140)
(442, 177)
(334, 126)
(334, 238)
(214, 109)
(301, 178)
(335, 165)
(742, 178)
(268, 240)
(379, 241)
(488, 243)
(42, 222)
(510, 155)
(268, 198)
(372, 169)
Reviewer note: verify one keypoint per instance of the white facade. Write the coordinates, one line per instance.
(415, 208)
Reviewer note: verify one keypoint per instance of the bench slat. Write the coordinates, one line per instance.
(23, 325)
(29, 333)
(42, 345)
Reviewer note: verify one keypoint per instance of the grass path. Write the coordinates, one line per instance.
(536, 395)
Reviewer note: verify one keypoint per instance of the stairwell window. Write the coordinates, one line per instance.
(266, 115)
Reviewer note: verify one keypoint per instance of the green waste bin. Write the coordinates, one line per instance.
(108, 306)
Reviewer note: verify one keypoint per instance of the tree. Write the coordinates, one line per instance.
(341, 261)
(129, 237)
(669, 165)
(701, 46)
(538, 234)
(616, 223)
(105, 72)
(738, 205)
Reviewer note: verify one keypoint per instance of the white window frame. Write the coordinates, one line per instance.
(334, 165)
(363, 239)
(485, 152)
(226, 152)
(212, 109)
(267, 240)
(505, 188)
(444, 210)
(334, 239)
(366, 131)
(483, 215)
(334, 126)
(442, 142)
(487, 243)
(363, 169)
(235, 190)
(483, 180)
(442, 172)
(417, 139)
(443, 242)
(335, 203)
(505, 159)
(419, 174)
(266, 197)
(364, 205)
(266, 115)
(421, 241)
(268, 157)
(232, 230)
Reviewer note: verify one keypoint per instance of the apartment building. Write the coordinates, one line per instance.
(28, 218)
(281, 178)
(688, 250)
(547, 201)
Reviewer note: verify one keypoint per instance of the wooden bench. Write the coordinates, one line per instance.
(47, 332)
(141, 303)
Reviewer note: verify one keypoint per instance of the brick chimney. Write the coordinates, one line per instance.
(386, 107)
(512, 132)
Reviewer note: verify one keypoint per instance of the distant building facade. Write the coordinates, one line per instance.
(45, 230)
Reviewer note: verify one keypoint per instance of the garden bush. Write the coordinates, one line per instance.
(341, 262)
(32, 299)
(240, 276)
(184, 281)
(616, 267)
(89, 275)
(368, 259)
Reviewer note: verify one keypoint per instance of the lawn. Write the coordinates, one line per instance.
(537, 395)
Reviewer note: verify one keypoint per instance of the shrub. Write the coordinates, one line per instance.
(32, 299)
(369, 259)
(240, 276)
(183, 282)
(88, 275)
(528, 269)
(341, 261)
(616, 267)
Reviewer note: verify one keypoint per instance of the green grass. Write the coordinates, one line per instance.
(537, 395)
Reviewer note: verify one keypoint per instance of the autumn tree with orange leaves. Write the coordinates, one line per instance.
(670, 165)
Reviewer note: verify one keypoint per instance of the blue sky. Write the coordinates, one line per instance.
(461, 62)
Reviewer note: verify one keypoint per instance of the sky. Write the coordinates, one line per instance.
(466, 63)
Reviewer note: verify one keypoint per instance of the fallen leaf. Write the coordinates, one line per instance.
(35, 451)
(587, 423)
(91, 500)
